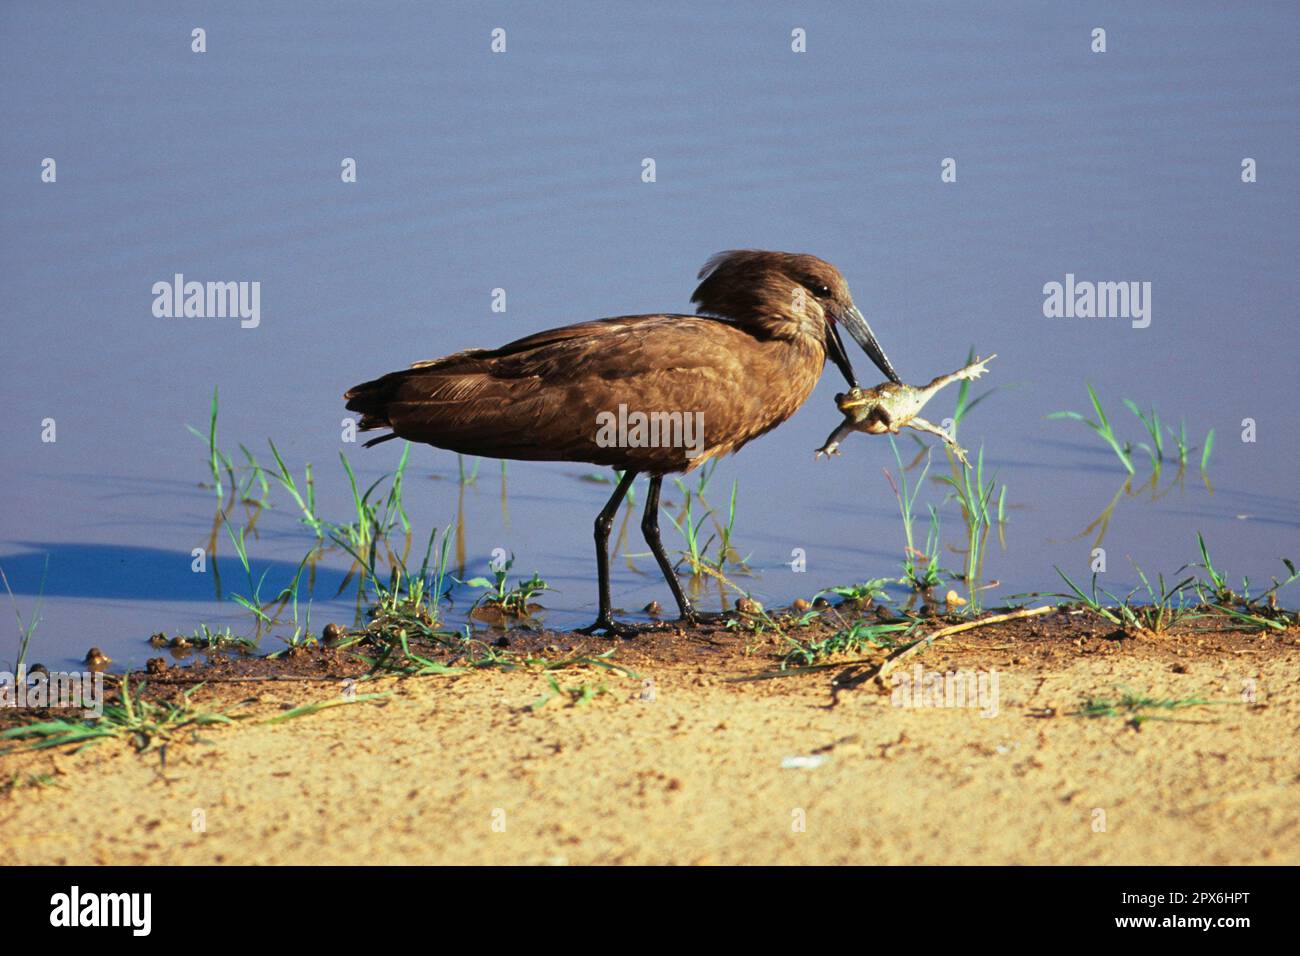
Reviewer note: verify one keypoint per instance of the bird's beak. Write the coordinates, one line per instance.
(835, 352)
(862, 334)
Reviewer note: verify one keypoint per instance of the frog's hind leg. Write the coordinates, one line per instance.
(971, 372)
(921, 425)
(832, 446)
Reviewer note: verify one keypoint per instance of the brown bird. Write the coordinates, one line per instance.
(642, 393)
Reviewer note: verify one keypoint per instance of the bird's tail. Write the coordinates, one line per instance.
(372, 400)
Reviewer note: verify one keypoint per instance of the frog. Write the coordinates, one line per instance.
(891, 406)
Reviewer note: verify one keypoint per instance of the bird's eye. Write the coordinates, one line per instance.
(820, 290)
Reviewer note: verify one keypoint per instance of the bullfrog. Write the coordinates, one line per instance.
(891, 406)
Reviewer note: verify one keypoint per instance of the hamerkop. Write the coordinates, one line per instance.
(632, 392)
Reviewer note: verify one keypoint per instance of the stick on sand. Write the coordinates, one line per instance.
(913, 649)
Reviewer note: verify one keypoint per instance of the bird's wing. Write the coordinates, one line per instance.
(540, 397)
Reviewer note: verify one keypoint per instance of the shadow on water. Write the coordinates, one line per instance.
(134, 573)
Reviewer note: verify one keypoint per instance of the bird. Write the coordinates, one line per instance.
(765, 325)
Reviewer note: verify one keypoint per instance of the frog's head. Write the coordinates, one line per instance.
(784, 295)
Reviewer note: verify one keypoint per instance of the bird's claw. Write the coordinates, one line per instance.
(610, 627)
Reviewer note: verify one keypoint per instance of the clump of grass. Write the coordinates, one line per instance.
(695, 555)
(404, 600)
(1136, 708)
(1166, 605)
(920, 569)
(1155, 430)
(1259, 613)
(205, 638)
(216, 458)
(374, 519)
(857, 593)
(132, 717)
(26, 628)
(1102, 427)
(1151, 422)
(850, 640)
(306, 498)
(577, 695)
(690, 534)
(253, 601)
(973, 495)
(498, 596)
(394, 656)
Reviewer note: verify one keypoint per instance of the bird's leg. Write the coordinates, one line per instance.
(650, 528)
(604, 523)
(921, 425)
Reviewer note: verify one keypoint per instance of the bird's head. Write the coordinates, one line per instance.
(784, 294)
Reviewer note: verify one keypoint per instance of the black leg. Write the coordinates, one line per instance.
(650, 528)
(604, 522)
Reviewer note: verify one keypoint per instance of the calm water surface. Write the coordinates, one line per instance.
(523, 171)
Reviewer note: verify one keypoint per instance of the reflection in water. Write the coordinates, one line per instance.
(1126, 490)
(505, 510)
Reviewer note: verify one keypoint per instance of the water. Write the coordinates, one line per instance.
(522, 171)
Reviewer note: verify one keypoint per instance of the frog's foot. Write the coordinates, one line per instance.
(921, 425)
(830, 448)
(975, 369)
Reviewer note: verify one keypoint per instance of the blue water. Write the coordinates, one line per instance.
(522, 171)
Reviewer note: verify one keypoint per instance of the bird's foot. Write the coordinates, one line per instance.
(694, 618)
(609, 627)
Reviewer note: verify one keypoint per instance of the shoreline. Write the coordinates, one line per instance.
(692, 746)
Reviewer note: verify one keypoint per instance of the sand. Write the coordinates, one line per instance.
(461, 770)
